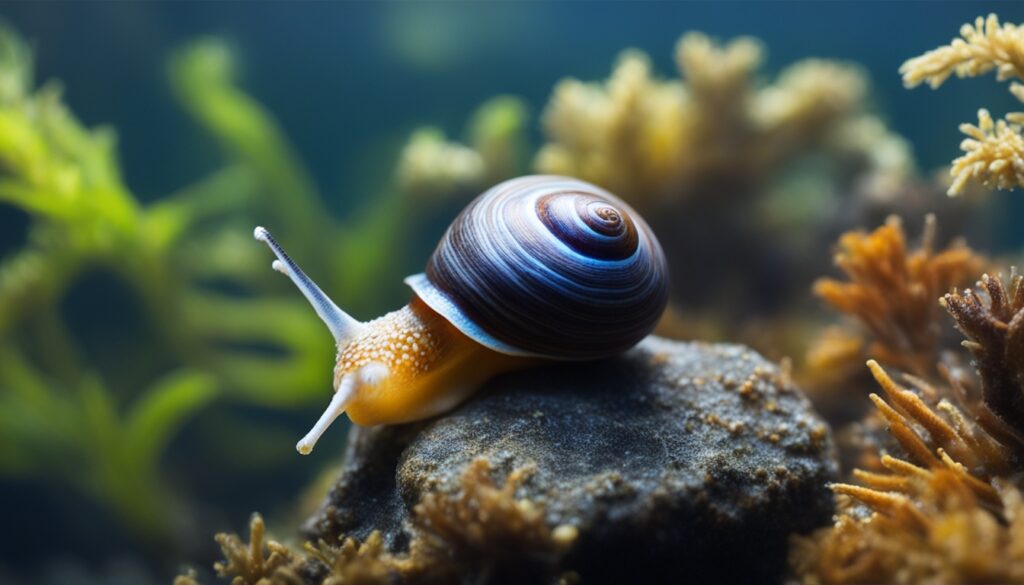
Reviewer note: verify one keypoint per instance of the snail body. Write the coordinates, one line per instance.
(536, 268)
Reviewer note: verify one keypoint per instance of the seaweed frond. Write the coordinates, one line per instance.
(432, 168)
(994, 327)
(892, 290)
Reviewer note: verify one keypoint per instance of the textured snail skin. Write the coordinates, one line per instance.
(548, 266)
(422, 366)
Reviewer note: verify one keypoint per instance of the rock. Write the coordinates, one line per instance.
(674, 461)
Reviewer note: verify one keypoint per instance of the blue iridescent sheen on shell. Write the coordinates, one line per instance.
(548, 266)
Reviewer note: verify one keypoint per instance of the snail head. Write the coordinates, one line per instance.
(406, 365)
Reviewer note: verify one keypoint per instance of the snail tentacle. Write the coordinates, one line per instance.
(342, 325)
(346, 391)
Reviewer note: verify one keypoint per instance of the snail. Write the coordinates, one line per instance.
(536, 268)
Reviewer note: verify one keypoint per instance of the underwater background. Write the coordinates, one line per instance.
(155, 373)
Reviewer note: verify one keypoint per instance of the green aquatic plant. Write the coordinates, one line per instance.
(224, 327)
(66, 420)
(81, 434)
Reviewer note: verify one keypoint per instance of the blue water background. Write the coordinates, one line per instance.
(348, 80)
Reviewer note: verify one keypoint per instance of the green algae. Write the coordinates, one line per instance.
(225, 327)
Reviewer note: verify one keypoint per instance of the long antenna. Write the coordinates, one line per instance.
(341, 398)
(341, 324)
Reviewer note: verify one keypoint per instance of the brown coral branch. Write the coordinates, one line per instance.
(248, 563)
(940, 443)
(355, 563)
(479, 532)
(483, 525)
(946, 513)
(894, 505)
(937, 533)
(892, 290)
(995, 331)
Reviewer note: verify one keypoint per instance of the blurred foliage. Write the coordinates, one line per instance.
(232, 330)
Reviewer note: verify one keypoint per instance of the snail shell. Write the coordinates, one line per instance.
(548, 266)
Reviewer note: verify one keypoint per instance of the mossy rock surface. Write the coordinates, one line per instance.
(674, 460)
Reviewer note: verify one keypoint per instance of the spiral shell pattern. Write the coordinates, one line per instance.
(548, 266)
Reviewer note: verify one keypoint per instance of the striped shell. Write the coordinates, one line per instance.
(548, 266)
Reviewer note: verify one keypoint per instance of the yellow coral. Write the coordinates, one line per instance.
(719, 129)
(808, 95)
(993, 150)
(632, 142)
(712, 132)
(983, 47)
(714, 72)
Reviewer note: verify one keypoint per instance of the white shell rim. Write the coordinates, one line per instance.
(442, 305)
